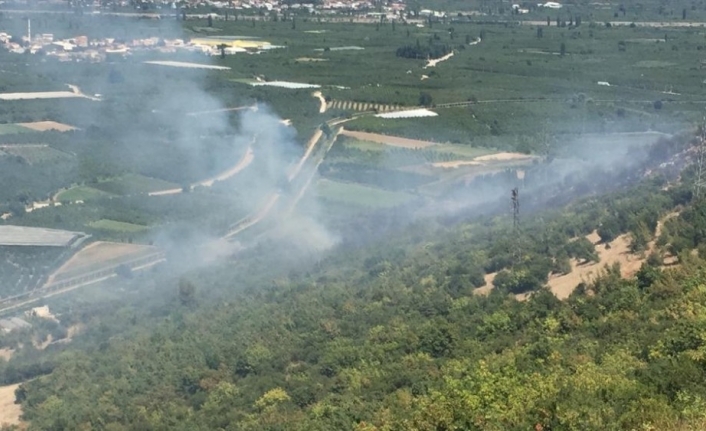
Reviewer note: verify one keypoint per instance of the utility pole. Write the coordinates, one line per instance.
(516, 251)
(700, 159)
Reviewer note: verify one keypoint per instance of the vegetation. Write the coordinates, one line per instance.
(386, 328)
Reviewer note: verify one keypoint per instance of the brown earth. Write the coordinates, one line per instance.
(619, 252)
(100, 252)
(502, 157)
(43, 126)
(6, 353)
(455, 164)
(394, 141)
(9, 411)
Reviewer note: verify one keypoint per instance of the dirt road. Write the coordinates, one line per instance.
(320, 96)
(243, 163)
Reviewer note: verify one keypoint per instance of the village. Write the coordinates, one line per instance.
(81, 48)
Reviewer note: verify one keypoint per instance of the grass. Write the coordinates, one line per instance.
(356, 194)
(462, 151)
(81, 193)
(37, 154)
(9, 129)
(133, 184)
(116, 226)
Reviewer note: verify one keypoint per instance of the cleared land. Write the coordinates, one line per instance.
(284, 84)
(394, 141)
(497, 157)
(36, 236)
(410, 113)
(456, 164)
(187, 65)
(41, 95)
(36, 153)
(100, 254)
(42, 126)
(80, 194)
(9, 411)
(619, 252)
(357, 194)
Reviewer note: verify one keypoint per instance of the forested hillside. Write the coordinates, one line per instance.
(391, 336)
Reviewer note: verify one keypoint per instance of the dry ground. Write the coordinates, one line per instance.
(619, 252)
(394, 141)
(6, 353)
(43, 126)
(498, 157)
(9, 411)
(455, 164)
(97, 253)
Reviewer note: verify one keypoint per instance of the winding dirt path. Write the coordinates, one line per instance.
(434, 62)
(243, 163)
(320, 96)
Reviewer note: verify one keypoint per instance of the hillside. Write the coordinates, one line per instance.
(391, 337)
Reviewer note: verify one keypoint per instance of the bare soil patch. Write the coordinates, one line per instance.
(488, 286)
(6, 353)
(394, 141)
(9, 411)
(322, 107)
(618, 252)
(499, 157)
(99, 253)
(455, 164)
(43, 126)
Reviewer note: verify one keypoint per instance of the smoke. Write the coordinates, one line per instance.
(167, 123)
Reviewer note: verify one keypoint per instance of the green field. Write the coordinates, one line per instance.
(133, 184)
(9, 129)
(435, 152)
(37, 153)
(116, 226)
(81, 193)
(356, 194)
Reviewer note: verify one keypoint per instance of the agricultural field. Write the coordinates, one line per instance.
(80, 193)
(359, 195)
(43, 126)
(97, 256)
(527, 88)
(34, 154)
(9, 129)
(133, 184)
(112, 225)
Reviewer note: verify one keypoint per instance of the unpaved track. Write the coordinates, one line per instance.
(433, 63)
(501, 157)
(394, 141)
(320, 96)
(243, 163)
(216, 111)
(309, 148)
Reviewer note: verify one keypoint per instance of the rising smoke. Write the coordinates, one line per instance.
(166, 123)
